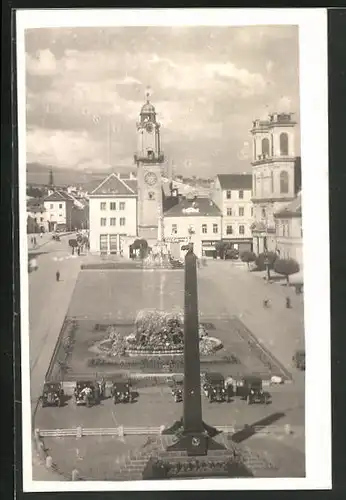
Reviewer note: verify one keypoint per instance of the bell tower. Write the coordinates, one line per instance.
(149, 158)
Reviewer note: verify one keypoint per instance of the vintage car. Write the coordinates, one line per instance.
(299, 359)
(214, 387)
(250, 389)
(178, 388)
(53, 394)
(86, 393)
(121, 391)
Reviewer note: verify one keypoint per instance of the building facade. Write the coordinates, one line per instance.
(289, 231)
(196, 220)
(149, 159)
(113, 216)
(59, 208)
(276, 175)
(36, 216)
(233, 195)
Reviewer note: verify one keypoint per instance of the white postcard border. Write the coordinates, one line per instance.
(314, 152)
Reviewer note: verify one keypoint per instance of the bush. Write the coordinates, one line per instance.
(248, 257)
(260, 261)
(286, 267)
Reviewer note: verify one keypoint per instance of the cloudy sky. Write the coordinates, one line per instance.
(86, 85)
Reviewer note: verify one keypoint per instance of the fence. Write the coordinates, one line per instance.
(79, 432)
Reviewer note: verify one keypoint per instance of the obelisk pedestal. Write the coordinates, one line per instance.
(195, 435)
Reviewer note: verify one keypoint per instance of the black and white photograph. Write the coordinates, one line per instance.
(174, 249)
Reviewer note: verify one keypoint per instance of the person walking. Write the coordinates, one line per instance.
(57, 275)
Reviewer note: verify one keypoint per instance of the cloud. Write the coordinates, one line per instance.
(43, 64)
(87, 85)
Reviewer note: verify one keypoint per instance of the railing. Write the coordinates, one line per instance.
(136, 431)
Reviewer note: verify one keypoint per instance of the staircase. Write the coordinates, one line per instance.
(132, 466)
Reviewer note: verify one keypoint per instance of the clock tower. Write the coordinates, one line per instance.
(149, 158)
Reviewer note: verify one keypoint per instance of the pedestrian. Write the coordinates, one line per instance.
(288, 303)
(57, 275)
(41, 235)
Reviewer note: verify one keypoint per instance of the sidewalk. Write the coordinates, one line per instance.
(279, 329)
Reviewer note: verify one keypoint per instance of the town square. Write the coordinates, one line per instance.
(164, 234)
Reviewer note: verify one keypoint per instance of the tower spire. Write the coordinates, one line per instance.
(51, 180)
(147, 94)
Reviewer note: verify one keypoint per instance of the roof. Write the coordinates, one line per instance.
(58, 196)
(292, 209)
(235, 181)
(196, 207)
(113, 185)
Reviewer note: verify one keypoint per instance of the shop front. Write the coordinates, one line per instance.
(244, 245)
(209, 249)
(174, 245)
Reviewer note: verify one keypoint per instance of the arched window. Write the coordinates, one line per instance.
(284, 144)
(283, 182)
(265, 147)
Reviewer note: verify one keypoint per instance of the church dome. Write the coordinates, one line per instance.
(147, 108)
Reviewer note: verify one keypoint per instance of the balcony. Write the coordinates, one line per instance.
(150, 158)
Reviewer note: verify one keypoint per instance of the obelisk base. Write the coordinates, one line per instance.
(194, 443)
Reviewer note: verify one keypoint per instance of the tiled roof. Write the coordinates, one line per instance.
(292, 209)
(235, 181)
(58, 196)
(113, 185)
(197, 207)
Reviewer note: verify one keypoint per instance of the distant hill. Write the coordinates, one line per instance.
(38, 173)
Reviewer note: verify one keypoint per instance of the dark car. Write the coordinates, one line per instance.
(214, 387)
(121, 392)
(178, 389)
(250, 388)
(231, 254)
(53, 394)
(86, 393)
(299, 360)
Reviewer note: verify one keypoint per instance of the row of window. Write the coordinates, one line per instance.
(241, 211)
(112, 221)
(229, 229)
(240, 194)
(284, 182)
(112, 205)
(204, 227)
(267, 146)
(51, 206)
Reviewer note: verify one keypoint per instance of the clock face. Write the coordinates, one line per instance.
(149, 128)
(150, 178)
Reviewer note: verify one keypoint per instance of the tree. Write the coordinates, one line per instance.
(286, 267)
(248, 257)
(142, 245)
(73, 244)
(261, 261)
(221, 247)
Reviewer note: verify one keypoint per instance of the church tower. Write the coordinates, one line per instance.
(149, 158)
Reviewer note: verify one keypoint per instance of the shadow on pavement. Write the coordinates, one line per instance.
(250, 430)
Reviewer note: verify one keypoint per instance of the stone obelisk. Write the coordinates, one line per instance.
(192, 416)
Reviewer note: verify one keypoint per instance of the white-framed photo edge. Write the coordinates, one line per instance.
(314, 153)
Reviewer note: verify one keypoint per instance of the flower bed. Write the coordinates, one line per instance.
(156, 333)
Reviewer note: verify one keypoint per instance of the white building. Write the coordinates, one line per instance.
(59, 207)
(232, 193)
(289, 231)
(113, 215)
(196, 220)
(276, 175)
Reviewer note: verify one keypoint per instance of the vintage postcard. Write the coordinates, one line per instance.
(174, 249)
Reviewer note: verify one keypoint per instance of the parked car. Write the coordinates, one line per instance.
(86, 393)
(121, 392)
(214, 387)
(231, 254)
(250, 388)
(178, 388)
(299, 359)
(53, 394)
